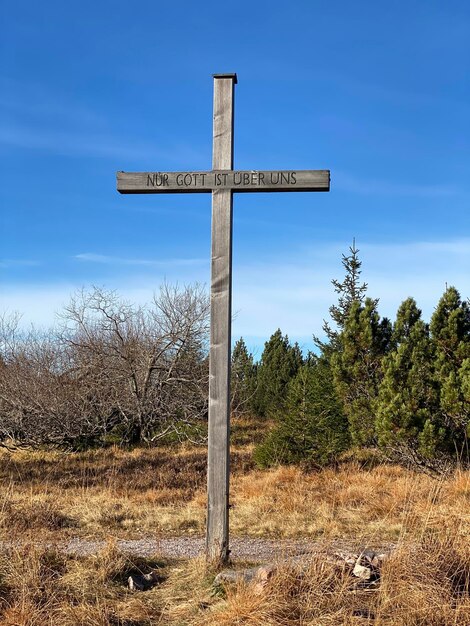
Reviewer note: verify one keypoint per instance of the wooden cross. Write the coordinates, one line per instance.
(221, 182)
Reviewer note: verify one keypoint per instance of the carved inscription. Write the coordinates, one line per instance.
(222, 179)
(157, 179)
(235, 180)
(191, 179)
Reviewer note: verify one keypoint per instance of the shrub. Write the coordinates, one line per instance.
(312, 427)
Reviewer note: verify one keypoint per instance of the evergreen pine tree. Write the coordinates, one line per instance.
(350, 290)
(297, 357)
(311, 427)
(279, 364)
(243, 378)
(406, 413)
(357, 367)
(464, 378)
(450, 332)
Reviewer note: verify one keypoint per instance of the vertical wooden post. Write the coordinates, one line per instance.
(218, 460)
(222, 187)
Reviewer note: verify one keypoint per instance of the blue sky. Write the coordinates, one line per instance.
(376, 92)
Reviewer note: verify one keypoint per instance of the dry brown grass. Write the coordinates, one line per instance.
(378, 504)
(115, 493)
(162, 492)
(425, 583)
(102, 492)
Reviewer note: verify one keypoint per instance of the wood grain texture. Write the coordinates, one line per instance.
(222, 181)
(218, 459)
(241, 181)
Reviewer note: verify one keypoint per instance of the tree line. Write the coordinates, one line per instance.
(111, 371)
(402, 387)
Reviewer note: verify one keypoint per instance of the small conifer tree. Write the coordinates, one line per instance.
(311, 427)
(349, 290)
(243, 378)
(450, 332)
(357, 368)
(279, 364)
(406, 412)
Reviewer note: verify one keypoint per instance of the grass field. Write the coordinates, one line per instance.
(108, 494)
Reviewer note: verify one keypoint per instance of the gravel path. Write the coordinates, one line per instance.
(248, 548)
(254, 549)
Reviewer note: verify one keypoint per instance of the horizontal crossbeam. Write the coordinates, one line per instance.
(240, 181)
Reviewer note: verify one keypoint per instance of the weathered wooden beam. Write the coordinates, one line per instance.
(239, 181)
(222, 182)
(218, 455)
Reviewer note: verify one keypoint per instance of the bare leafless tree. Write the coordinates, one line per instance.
(140, 371)
(38, 402)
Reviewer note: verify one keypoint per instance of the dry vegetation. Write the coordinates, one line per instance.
(50, 496)
(425, 583)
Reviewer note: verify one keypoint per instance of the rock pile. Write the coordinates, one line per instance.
(363, 567)
(143, 582)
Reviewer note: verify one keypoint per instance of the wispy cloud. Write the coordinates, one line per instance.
(433, 258)
(34, 99)
(34, 118)
(383, 91)
(369, 187)
(101, 145)
(11, 263)
(91, 257)
(37, 304)
(293, 293)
